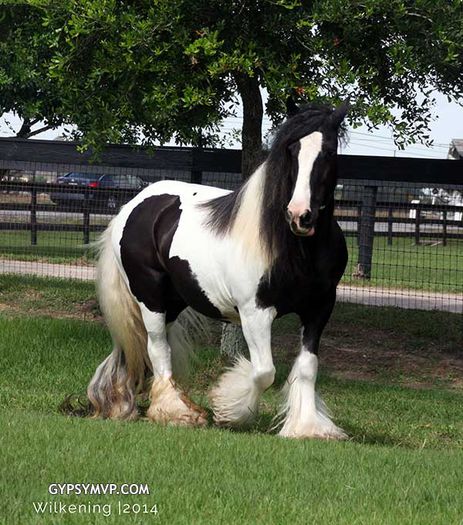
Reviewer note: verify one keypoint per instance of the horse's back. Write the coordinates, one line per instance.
(184, 190)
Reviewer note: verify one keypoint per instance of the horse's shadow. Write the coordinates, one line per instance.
(266, 423)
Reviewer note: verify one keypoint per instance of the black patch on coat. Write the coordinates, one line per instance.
(160, 283)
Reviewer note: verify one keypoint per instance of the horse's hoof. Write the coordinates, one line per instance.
(170, 406)
(329, 434)
(186, 419)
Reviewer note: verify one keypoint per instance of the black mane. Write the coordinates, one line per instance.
(222, 211)
(276, 235)
(279, 184)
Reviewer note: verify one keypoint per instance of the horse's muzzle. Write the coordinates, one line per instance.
(302, 232)
(302, 225)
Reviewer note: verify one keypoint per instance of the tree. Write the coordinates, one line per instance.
(130, 71)
(155, 71)
(26, 88)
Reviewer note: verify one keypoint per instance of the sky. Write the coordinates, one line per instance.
(447, 125)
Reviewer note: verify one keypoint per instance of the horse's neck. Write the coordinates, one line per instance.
(247, 224)
(302, 253)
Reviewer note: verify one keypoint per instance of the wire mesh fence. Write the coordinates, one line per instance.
(405, 243)
(405, 239)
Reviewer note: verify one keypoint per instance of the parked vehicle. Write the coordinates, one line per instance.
(108, 201)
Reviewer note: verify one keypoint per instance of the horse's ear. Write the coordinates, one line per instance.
(291, 107)
(340, 112)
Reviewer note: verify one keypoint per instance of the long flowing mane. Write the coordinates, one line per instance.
(272, 192)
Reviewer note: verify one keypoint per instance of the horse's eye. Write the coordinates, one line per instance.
(330, 153)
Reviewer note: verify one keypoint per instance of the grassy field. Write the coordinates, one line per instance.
(53, 247)
(430, 267)
(402, 465)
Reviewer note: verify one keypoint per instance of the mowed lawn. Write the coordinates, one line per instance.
(429, 266)
(402, 465)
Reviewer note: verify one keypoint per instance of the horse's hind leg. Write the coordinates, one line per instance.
(235, 398)
(168, 403)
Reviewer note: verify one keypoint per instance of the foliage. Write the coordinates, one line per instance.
(25, 85)
(152, 71)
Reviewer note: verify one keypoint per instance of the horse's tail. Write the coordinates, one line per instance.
(121, 375)
(113, 388)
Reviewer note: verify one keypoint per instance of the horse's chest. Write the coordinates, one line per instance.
(286, 297)
(290, 292)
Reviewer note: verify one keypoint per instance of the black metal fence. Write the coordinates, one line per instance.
(403, 218)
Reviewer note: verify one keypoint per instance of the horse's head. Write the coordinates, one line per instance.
(313, 170)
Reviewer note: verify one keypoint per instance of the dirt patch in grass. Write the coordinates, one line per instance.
(379, 356)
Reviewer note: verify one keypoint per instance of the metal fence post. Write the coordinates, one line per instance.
(444, 228)
(359, 222)
(196, 174)
(86, 211)
(34, 216)
(389, 226)
(366, 233)
(417, 224)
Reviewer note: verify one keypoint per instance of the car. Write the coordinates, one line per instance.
(106, 201)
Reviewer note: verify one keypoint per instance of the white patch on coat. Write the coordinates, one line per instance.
(159, 350)
(305, 414)
(310, 148)
(235, 397)
(221, 265)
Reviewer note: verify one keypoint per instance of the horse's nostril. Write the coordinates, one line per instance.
(305, 220)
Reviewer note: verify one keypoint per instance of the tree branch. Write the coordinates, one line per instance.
(26, 130)
(40, 130)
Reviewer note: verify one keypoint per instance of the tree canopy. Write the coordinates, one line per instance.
(25, 85)
(152, 71)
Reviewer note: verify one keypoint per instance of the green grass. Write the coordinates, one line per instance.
(29, 295)
(53, 247)
(435, 268)
(430, 267)
(403, 464)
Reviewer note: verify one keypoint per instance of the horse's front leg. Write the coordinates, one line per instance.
(305, 414)
(236, 396)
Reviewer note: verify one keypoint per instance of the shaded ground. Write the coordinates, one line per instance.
(380, 358)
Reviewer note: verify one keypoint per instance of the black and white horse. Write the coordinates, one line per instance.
(249, 256)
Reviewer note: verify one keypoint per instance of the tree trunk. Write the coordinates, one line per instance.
(233, 342)
(253, 113)
(25, 130)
